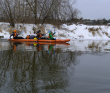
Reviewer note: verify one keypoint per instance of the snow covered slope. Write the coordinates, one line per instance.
(65, 31)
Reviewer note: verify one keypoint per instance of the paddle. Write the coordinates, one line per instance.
(54, 33)
(50, 30)
(21, 32)
(54, 30)
(47, 32)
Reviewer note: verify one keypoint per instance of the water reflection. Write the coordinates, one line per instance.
(99, 46)
(23, 71)
(90, 46)
(34, 46)
(49, 68)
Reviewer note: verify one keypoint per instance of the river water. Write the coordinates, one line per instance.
(78, 67)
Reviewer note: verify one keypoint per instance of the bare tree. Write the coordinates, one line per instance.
(39, 11)
(72, 12)
(7, 8)
(33, 7)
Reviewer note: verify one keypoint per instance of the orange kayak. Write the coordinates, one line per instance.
(41, 40)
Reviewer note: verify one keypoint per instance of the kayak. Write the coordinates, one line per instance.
(41, 40)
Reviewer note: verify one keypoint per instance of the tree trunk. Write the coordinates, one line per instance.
(10, 13)
(35, 9)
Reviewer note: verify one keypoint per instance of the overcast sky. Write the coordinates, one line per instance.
(93, 9)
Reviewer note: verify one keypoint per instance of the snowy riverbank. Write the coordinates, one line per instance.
(65, 31)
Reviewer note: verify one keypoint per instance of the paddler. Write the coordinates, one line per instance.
(51, 35)
(14, 34)
(39, 35)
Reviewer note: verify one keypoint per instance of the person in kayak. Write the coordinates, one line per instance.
(14, 34)
(51, 35)
(39, 35)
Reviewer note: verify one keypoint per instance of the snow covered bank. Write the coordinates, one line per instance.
(65, 31)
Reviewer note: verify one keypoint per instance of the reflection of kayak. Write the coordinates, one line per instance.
(41, 40)
(44, 43)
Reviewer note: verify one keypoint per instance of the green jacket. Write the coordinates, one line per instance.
(51, 35)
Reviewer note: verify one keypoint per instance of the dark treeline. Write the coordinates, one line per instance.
(91, 22)
(97, 22)
(37, 11)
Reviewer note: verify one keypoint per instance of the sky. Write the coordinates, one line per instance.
(93, 9)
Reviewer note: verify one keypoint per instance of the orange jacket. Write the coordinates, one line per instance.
(15, 34)
(39, 35)
(27, 37)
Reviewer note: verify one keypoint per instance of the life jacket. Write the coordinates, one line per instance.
(27, 37)
(39, 35)
(15, 34)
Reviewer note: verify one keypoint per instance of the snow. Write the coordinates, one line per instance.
(73, 32)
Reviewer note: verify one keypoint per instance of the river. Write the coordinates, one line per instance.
(78, 67)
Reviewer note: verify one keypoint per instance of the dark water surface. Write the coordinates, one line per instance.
(80, 67)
